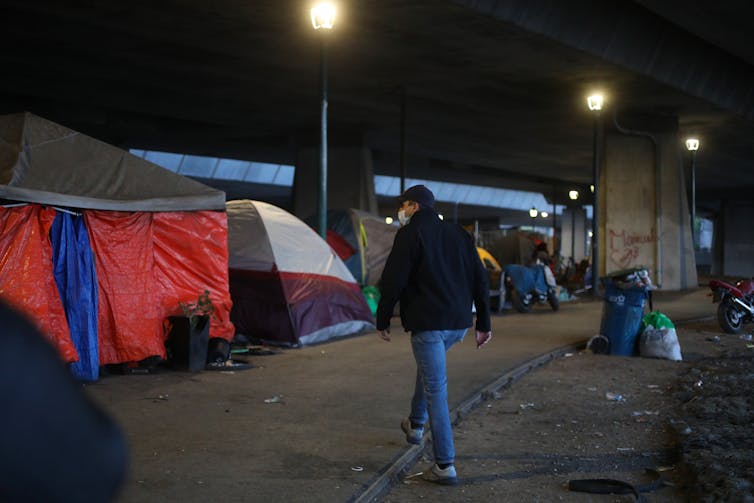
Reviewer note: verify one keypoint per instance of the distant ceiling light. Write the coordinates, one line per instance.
(591, 188)
(692, 144)
(388, 220)
(590, 233)
(323, 16)
(595, 102)
(441, 217)
(545, 214)
(573, 194)
(533, 212)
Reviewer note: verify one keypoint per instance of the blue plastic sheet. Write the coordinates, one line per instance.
(540, 282)
(76, 279)
(521, 276)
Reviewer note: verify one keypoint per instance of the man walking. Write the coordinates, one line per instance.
(435, 272)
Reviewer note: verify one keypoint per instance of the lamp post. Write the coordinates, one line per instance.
(595, 105)
(323, 18)
(692, 144)
(573, 195)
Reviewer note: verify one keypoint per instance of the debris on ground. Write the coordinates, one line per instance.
(689, 420)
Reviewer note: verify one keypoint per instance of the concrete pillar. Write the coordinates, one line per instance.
(350, 180)
(573, 234)
(644, 219)
(678, 257)
(736, 239)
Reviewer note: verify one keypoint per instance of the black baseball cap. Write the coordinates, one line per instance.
(420, 194)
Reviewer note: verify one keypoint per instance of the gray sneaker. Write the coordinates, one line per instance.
(444, 476)
(413, 435)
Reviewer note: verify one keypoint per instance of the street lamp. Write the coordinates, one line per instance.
(595, 102)
(323, 16)
(323, 19)
(533, 212)
(573, 195)
(692, 144)
(595, 105)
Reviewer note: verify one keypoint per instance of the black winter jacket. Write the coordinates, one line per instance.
(435, 272)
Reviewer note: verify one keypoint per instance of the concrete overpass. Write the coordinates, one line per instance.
(494, 94)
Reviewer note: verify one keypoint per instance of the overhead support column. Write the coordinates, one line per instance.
(644, 210)
(734, 241)
(350, 180)
(573, 234)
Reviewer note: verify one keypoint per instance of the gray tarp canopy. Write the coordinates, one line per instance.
(44, 162)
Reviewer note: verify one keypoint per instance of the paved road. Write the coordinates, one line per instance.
(211, 436)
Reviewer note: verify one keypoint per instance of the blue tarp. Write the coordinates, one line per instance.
(76, 279)
(521, 277)
(540, 281)
(527, 278)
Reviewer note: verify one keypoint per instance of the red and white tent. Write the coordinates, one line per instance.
(287, 285)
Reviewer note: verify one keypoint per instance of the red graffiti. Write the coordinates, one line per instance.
(625, 246)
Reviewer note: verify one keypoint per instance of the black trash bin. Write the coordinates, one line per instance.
(622, 313)
(187, 342)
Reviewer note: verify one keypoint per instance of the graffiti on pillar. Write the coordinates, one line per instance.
(625, 247)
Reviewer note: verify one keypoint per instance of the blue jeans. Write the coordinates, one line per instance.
(430, 399)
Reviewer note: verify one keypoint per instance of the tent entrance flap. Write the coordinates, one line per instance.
(76, 278)
(260, 310)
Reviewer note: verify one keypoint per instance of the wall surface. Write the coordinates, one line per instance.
(644, 214)
(628, 201)
(738, 238)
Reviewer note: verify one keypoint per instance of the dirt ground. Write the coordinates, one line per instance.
(690, 421)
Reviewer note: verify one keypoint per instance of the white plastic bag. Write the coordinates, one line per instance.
(660, 343)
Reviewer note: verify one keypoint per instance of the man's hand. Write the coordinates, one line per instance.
(482, 338)
(385, 334)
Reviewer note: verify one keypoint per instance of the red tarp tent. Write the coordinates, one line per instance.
(157, 237)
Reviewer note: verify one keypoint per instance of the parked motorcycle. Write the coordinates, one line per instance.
(736, 303)
(526, 285)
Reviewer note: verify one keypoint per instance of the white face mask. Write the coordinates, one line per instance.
(402, 218)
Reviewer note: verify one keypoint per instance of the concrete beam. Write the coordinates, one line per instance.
(625, 33)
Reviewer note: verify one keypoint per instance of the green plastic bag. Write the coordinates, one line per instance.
(372, 296)
(657, 320)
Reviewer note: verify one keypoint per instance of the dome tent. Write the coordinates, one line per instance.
(287, 285)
